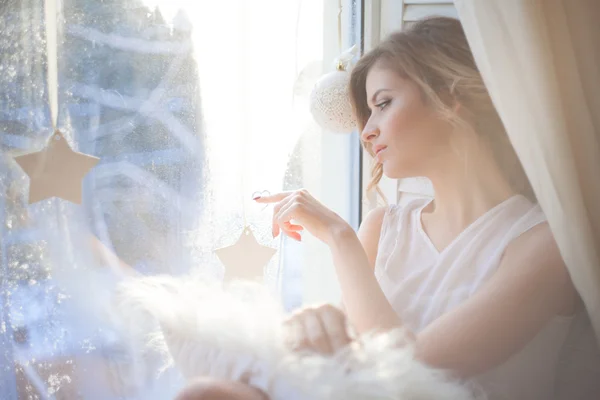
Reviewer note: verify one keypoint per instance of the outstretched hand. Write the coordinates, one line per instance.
(296, 211)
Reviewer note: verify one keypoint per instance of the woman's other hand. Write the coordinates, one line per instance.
(298, 210)
(322, 329)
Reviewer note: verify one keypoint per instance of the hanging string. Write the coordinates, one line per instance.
(245, 131)
(344, 60)
(339, 21)
(243, 186)
(50, 13)
(243, 160)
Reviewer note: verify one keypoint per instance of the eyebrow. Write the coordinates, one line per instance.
(377, 92)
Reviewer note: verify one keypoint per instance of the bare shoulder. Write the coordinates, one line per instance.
(370, 230)
(535, 256)
(537, 247)
(374, 218)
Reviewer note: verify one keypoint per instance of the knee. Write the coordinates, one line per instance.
(213, 389)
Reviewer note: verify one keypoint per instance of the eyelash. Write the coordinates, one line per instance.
(383, 104)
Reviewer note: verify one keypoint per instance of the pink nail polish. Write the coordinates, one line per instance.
(256, 197)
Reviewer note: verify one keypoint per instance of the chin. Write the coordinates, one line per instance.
(398, 172)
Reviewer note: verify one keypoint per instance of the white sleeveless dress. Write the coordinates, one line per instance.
(422, 284)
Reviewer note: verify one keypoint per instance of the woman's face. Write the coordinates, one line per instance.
(406, 135)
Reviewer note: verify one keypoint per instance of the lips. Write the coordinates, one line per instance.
(378, 149)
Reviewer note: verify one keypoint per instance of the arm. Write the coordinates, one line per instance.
(354, 256)
(531, 286)
(298, 210)
(369, 233)
(367, 307)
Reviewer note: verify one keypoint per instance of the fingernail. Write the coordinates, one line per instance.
(256, 197)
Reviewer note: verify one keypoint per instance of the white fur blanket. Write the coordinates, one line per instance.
(236, 333)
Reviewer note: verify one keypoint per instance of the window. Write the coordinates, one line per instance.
(191, 109)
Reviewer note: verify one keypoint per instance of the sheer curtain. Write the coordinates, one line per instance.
(191, 106)
(540, 61)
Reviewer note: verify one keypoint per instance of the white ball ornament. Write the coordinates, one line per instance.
(330, 103)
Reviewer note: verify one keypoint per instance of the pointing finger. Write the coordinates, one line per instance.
(272, 198)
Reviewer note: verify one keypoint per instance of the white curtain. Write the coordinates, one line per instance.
(541, 62)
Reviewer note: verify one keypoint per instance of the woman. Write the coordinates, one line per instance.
(474, 275)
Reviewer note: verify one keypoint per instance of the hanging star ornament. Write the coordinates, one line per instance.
(246, 258)
(56, 170)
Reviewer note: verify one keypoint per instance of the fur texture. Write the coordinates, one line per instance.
(236, 333)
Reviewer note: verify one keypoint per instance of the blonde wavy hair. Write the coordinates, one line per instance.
(434, 54)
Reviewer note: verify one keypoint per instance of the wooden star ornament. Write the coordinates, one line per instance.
(56, 170)
(246, 258)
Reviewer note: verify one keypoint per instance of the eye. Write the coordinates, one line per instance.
(383, 104)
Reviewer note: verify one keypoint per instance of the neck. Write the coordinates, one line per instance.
(467, 188)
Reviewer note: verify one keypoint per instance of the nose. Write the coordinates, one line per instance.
(369, 132)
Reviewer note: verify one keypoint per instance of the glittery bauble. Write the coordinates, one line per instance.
(330, 103)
